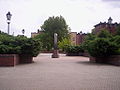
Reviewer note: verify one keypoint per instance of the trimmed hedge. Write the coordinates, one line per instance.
(103, 45)
(19, 45)
(74, 49)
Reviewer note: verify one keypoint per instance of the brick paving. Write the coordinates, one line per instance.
(64, 73)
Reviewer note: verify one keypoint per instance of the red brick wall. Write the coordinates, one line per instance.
(80, 38)
(110, 28)
(25, 58)
(113, 59)
(9, 59)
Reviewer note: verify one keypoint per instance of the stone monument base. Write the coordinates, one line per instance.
(55, 54)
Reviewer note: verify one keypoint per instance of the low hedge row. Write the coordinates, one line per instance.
(74, 49)
(19, 45)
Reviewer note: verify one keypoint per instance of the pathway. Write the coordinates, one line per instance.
(64, 73)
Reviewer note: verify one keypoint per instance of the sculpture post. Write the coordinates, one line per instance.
(55, 51)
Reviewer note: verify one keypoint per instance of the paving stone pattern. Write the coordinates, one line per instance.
(64, 73)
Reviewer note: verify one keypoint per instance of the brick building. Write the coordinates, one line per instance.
(33, 34)
(77, 38)
(73, 38)
(111, 27)
(80, 38)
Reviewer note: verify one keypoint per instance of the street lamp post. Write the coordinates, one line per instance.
(23, 31)
(8, 15)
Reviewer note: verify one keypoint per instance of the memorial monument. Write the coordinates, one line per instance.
(55, 51)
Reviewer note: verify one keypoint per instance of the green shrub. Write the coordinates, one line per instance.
(19, 45)
(64, 43)
(118, 30)
(7, 44)
(104, 34)
(74, 49)
(116, 39)
(30, 46)
(102, 47)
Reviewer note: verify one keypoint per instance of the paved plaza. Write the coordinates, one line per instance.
(64, 73)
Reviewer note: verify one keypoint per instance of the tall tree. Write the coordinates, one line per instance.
(54, 25)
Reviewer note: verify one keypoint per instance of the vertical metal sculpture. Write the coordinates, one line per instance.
(55, 51)
(55, 41)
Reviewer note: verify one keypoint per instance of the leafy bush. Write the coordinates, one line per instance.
(101, 47)
(64, 43)
(74, 49)
(118, 30)
(30, 46)
(104, 34)
(116, 39)
(19, 45)
(7, 44)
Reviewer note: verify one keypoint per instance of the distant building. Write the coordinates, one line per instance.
(81, 38)
(33, 34)
(111, 27)
(77, 38)
(73, 38)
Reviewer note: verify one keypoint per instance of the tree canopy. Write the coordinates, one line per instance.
(53, 25)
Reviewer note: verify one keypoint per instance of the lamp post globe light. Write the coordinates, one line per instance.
(23, 31)
(8, 15)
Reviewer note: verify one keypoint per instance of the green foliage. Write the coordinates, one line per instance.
(74, 49)
(64, 43)
(30, 46)
(45, 39)
(19, 45)
(104, 34)
(88, 38)
(7, 44)
(116, 39)
(118, 30)
(101, 47)
(53, 25)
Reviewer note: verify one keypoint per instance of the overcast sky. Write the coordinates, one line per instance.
(80, 15)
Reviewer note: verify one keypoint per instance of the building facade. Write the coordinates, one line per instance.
(33, 34)
(77, 38)
(111, 27)
(73, 38)
(81, 38)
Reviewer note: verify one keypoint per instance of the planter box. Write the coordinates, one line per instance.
(9, 59)
(86, 54)
(26, 58)
(113, 59)
(98, 59)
